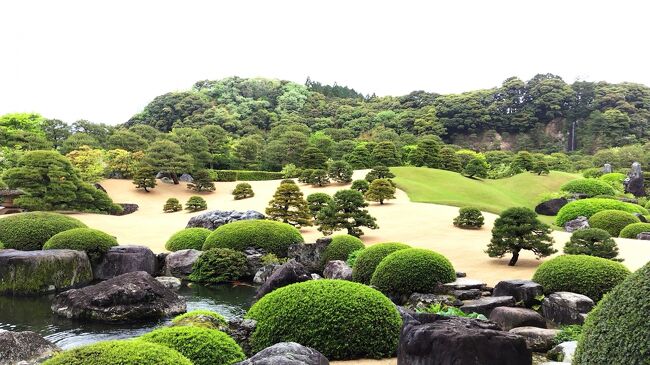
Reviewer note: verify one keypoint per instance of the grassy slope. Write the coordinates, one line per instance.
(449, 188)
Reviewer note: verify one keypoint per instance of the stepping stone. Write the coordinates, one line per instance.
(485, 305)
(512, 317)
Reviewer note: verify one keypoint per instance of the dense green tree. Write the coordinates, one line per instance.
(385, 154)
(168, 157)
(243, 191)
(147, 132)
(540, 168)
(380, 190)
(196, 203)
(127, 140)
(340, 171)
(379, 172)
(313, 158)
(99, 131)
(360, 185)
(201, 182)
(75, 141)
(248, 150)
(316, 202)
(345, 211)
(523, 161)
(319, 177)
(289, 206)
(56, 131)
(28, 122)
(145, 178)
(359, 158)
(476, 168)
(172, 205)
(121, 163)
(427, 153)
(89, 162)
(449, 161)
(193, 143)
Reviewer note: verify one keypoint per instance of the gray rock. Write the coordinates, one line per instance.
(167, 180)
(460, 274)
(643, 236)
(241, 330)
(315, 276)
(38, 272)
(634, 183)
(537, 339)
(607, 168)
(179, 263)
(124, 259)
(641, 217)
(129, 297)
(25, 348)
(523, 291)
(186, 178)
(566, 308)
(563, 352)
(512, 317)
(287, 353)
(217, 218)
(467, 294)
(576, 224)
(264, 273)
(310, 255)
(421, 301)
(161, 174)
(254, 259)
(288, 273)
(465, 284)
(169, 282)
(485, 305)
(337, 269)
(551, 207)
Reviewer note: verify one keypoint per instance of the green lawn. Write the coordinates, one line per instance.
(450, 188)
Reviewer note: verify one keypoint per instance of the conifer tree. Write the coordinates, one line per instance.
(145, 178)
(202, 182)
(380, 190)
(346, 211)
(319, 178)
(243, 191)
(340, 171)
(195, 203)
(449, 160)
(313, 158)
(172, 205)
(289, 206)
(379, 172)
(477, 167)
(316, 202)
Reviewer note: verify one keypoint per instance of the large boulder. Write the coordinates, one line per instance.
(264, 273)
(179, 264)
(124, 259)
(512, 317)
(241, 330)
(563, 352)
(566, 308)
(537, 339)
(129, 297)
(217, 218)
(645, 236)
(170, 282)
(524, 291)
(485, 305)
(254, 259)
(576, 224)
(186, 178)
(337, 269)
(288, 273)
(310, 255)
(287, 353)
(38, 272)
(551, 207)
(24, 348)
(634, 183)
(429, 339)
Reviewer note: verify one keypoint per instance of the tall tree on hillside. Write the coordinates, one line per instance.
(168, 157)
(385, 154)
(313, 158)
(289, 206)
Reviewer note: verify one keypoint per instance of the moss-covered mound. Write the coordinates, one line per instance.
(273, 237)
(368, 259)
(587, 275)
(589, 187)
(188, 238)
(341, 319)
(96, 243)
(218, 265)
(613, 221)
(589, 207)
(201, 318)
(202, 346)
(341, 247)
(120, 352)
(634, 229)
(412, 270)
(617, 331)
(30, 231)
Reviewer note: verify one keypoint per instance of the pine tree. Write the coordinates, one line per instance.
(359, 158)
(313, 158)
(379, 172)
(316, 202)
(360, 185)
(385, 153)
(449, 160)
(145, 178)
(196, 203)
(345, 211)
(427, 153)
(477, 167)
(319, 178)
(380, 190)
(202, 182)
(243, 191)
(340, 171)
(540, 168)
(289, 206)
(172, 205)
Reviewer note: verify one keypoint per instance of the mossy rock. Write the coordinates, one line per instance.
(341, 247)
(188, 238)
(273, 237)
(94, 242)
(201, 318)
(30, 231)
(125, 352)
(369, 258)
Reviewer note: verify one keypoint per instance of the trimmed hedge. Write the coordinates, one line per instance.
(187, 238)
(341, 319)
(124, 352)
(613, 221)
(202, 346)
(590, 187)
(593, 242)
(273, 237)
(469, 217)
(341, 247)
(95, 242)
(245, 175)
(30, 231)
(370, 257)
(617, 330)
(634, 229)
(582, 274)
(413, 270)
(218, 265)
(589, 207)
(201, 318)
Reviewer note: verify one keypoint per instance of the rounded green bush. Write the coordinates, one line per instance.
(589, 187)
(218, 265)
(352, 258)
(634, 229)
(30, 231)
(587, 275)
(593, 242)
(341, 319)
(370, 257)
(615, 179)
(617, 330)
(341, 247)
(95, 242)
(613, 221)
(201, 318)
(589, 207)
(413, 270)
(202, 346)
(273, 237)
(187, 238)
(2, 246)
(469, 217)
(124, 352)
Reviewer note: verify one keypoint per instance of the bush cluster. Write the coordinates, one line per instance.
(341, 247)
(196, 203)
(613, 221)
(582, 274)
(245, 175)
(589, 207)
(187, 238)
(172, 205)
(370, 257)
(634, 229)
(218, 265)
(589, 187)
(96, 243)
(469, 217)
(124, 352)
(273, 237)
(412, 270)
(593, 242)
(615, 179)
(243, 191)
(30, 231)
(341, 319)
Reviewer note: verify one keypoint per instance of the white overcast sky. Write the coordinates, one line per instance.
(105, 60)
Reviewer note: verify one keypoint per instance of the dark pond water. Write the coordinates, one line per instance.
(34, 314)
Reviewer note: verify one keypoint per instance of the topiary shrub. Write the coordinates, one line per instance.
(594, 172)
(469, 217)
(201, 318)
(218, 265)
(188, 238)
(593, 242)
(243, 191)
(196, 203)
(172, 205)
(634, 229)
(582, 274)
(370, 257)
(589, 207)
(30, 231)
(412, 270)
(202, 346)
(125, 352)
(613, 221)
(273, 237)
(341, 247)
(589, 187)
(341, 319)
(361, 186)
(615, 179)
(617, 330)
(96, 243)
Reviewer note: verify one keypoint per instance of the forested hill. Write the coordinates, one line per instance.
(536, 115)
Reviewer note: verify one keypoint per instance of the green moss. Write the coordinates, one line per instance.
(120, 353)
(30, 231)
(273, 237)
(188, 238)
(370, 257)
(201, 318)
(341, 247)
(96, 243)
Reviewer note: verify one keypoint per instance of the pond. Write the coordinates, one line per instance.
(34, 314)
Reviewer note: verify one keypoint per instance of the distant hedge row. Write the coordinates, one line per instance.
(243, 175)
